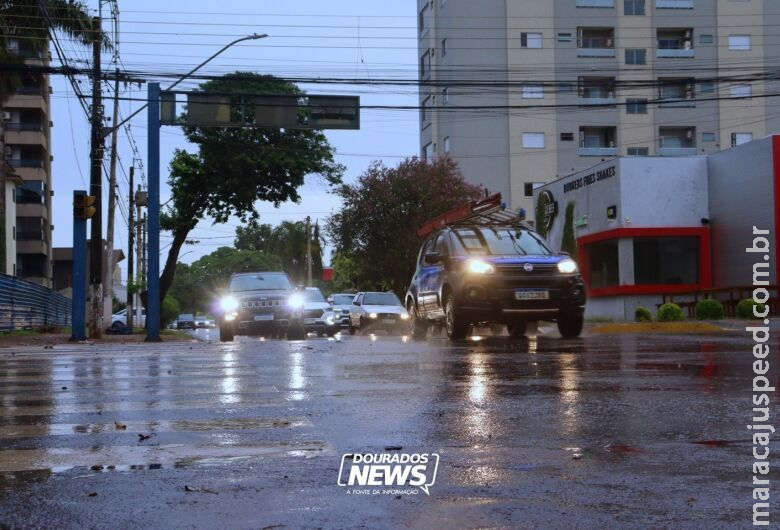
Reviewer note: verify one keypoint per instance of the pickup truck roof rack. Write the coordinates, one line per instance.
(487, 212)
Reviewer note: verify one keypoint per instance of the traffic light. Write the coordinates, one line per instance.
(84, 206)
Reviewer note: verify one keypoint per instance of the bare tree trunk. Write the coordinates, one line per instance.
(166, 279)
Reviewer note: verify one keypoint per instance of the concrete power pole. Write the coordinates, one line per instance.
(308, 251)
(108, 261)
(95, 188)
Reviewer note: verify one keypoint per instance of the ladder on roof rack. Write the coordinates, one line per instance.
(487, 212)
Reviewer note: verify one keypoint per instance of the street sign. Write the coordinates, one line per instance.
(277, 111)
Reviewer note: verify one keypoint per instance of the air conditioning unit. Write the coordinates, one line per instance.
(6, 115)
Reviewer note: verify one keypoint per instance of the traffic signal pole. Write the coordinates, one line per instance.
(81, 212)
(153, 164)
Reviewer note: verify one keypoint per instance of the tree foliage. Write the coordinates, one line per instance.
(198, 285)
(235, 167)
(377, 226)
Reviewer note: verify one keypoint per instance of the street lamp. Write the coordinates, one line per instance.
(153, 152)
(253, 36)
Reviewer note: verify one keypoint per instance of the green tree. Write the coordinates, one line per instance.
(377, 226)
(569, 241)
(235, 167)
(253, 236)
(25, 27)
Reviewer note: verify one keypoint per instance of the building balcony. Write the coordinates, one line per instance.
(29, 136)
(595, 3)
(19, 163)
(677, 103)
(32, 210)
(675, 54)
(598, 151)
(30, 173)
(595, 52)
(597, 101)
(677, 151)
(36, 247)
(674, 4)
(26, 101)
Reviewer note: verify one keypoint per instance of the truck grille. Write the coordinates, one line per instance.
(260, 304)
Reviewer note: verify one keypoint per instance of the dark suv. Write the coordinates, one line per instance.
(261, 303)
(477, 274)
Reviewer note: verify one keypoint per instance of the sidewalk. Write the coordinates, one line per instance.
(36, 338)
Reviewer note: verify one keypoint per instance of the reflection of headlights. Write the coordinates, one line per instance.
(230, 318)
(372, 315)
(477, 266)
(567, 266)
(228, 304)
(404, 316)
(295, 301)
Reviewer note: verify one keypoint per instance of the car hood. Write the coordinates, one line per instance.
(311, 306)
(396, 309)
(261, 294)
(512, 259)
(343, 307)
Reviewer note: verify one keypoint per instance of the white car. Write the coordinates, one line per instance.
(121, 317)
(204, 322)
(371, 311)
(315, 308)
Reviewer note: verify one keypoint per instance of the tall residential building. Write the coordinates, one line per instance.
(27, 150)
(520, 92)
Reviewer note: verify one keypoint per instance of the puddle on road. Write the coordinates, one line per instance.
(225, 424)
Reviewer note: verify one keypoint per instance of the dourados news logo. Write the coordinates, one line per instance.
(398, 474)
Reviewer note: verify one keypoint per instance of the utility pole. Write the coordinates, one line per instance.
(144, 229)
(130, 246)
(95, 187)
(108, 261)
(308, 251)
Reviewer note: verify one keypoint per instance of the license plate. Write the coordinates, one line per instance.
(263, 317)
(388, 321)
(532, 294)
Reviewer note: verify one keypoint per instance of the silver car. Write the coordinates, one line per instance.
(341, 304)
(372, 311)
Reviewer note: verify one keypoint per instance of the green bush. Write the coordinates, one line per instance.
(643, 314)
(709, 310)
(745, 309)
(670, 313)
(170, 310)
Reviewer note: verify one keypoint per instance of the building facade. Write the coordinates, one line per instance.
(27, 138)
(521, 92)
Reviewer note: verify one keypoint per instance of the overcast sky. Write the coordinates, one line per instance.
(367, 40)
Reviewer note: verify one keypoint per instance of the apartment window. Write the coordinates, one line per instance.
(677, 137)
(636, 56)
(533, 140)
(707, 87)
(705, 39)
(566, 87)
(739, 42)
(443, 47)
(596, 87)
(428, 152)
(445, 96)
(676, 88)
(675, 39)
(425, 111)
(634, 7)
(740, 138)
(596, 38)
(533, 92)
(447, 145)
(567, 137)
(708, 137)
(31, 192)
(565, 37)
(638, 151)
(741, 91)
(425, 65)
(597, 137)
(636, 106)
(424, 20)
(30, 228)
(530, 40)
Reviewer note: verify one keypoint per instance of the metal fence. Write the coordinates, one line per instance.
(26, 305)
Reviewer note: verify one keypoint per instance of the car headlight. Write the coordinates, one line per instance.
(478, 266)
(404, 316)
(228, 304)
(295, 301)
(372, 315)
(567, 266)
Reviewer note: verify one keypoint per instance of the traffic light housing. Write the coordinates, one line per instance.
(84, 206)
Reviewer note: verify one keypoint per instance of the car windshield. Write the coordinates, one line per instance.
(260, 282)
(499, 242)
(343, 299)
(200, 318)
(313, 295)
(186, 317)
(381, 299)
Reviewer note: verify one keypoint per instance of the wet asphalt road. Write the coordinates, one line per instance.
(257, 429)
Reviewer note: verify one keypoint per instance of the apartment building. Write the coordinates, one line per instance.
(521, 92)
(26, 139)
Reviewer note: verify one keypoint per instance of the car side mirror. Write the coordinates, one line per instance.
(432, 258)
(330, 300)
(355, 302)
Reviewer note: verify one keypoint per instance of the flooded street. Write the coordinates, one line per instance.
(604, 431)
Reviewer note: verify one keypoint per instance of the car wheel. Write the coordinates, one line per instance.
(296, 332)
(517, 328)
(456, 326)
(331, 333)
(570, 325)
(417, 326)
(226, 332)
